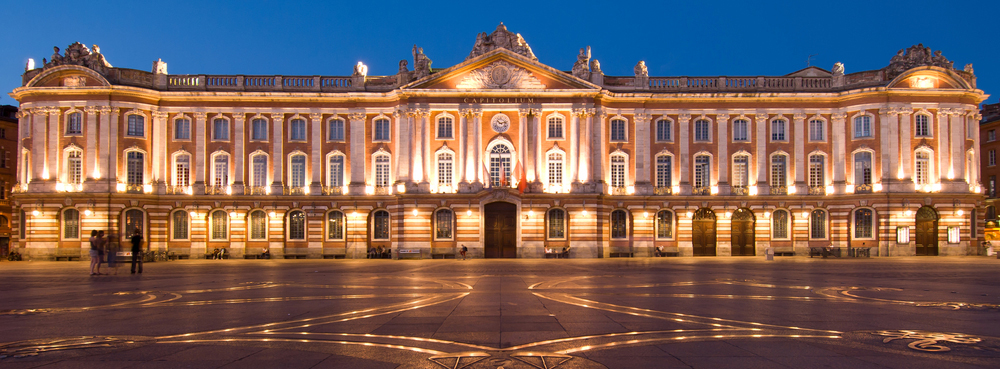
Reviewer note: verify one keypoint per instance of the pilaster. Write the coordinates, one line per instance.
(943, 145)
(683, 137)
(52, 135)
(975, 176)
(104, 155)
(885, 146)
(838, 134)
(159, 144)
(91, 171)
(906, 150)
(38, 141)
(199, 143)
(574, 145)
(800, 159)
(470, 156)
(404, 144)
(357, 183)
(113, 151)
(585, 174)
(722, 126)
(642, 157)
(760, 123)
(477, 144)
(958, 134)
(278, 152)
(316, 154)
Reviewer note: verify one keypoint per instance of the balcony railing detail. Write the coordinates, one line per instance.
(863, 188)
(295, 191)
(256, 190)
(618, 191)
(701, 191)
(333, 191)
(383, 190)
(662, 191)
(133, 188)
(216, 190)
(779, 190)
(739, 190)
(178, 190)
(817, 190)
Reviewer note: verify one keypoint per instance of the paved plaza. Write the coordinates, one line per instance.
(550, 313)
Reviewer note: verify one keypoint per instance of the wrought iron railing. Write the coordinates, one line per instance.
(663, 191)
(179, 190)
(333, 191)
(218, 190)
(739, 190)
(295, 191)
(133, 188)
(618, 191)
(701, 191)
(817, 190)
(256, 190)
(383, 190)
(779, 190)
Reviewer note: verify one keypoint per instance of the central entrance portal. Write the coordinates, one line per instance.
(501, 230)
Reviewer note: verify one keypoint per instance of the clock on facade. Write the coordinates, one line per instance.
(500, 123)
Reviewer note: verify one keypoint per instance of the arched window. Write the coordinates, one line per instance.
(182, 129)
(702, 130)
(444, 165)
(500, 165)
(817, 224)
(381, 131)
(335, 225)
(179, 221)
(134, 221)
(336, 170)
(71, 224)
(741, 170)
(258, 225)
(664, 225)
(443, 224)
(297, 171)
(135, 164)
(445, 130)
(380, 225)
(382, 170)
(618, 130)
(74, 124)
(258, 170)
(182, 170)
(336, 130)
(297, 130)
(555, 165)
(220, 226)
(864, 224)
(741, 128)
(863, 126)
(619, 224)
(778, 128)
(555, 127)
(618, 172)
(664, 131)
(74, 167)
(258, 129)
(220, 129)
(922, 125)
(779, 225)
(297, 225)
(557, 224)
(220, 170)
(922, 174)
(817, 171)
(136, 126)
(664, 171)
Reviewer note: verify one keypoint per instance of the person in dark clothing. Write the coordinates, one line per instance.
(137, 251)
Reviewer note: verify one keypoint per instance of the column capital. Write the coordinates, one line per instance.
(116, 110)
(799, 116)
(523, 112)
(685, 117)
(104, 109)
(53, 111)
(838, 116)
(199, 116)
(760, 117)
(722, 117)
(277, 116)
(92, 109)
(315, 116)
(356, 116)
(476, 113)
(159, 115)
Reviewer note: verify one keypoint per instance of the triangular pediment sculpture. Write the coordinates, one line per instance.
(500, 74)
(501, 69)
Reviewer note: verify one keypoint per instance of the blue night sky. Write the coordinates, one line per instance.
(707, 38)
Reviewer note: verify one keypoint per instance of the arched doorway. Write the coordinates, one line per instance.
(703, 232)
(927, 232)
(742, 232)
(500, 222)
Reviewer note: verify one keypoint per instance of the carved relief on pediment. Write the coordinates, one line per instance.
(501, 74)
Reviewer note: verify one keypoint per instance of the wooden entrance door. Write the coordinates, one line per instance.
(927, 232)
(703, 232)
(501, 230)
(743, 232)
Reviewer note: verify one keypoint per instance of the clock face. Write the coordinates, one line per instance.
(500, 123)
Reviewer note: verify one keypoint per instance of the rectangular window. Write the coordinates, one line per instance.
(663, 131)
(298, 171)
(381, 130)
(619, 224)
(664, 171)
(816, 130)
(134, 167)
(258, 225)
(863, 126)
(863, 168)
(220, 129)
(337, 171)
(618, 171)
(220, 223)
(817, 225)
(557, 224)
(180, 225)
(221, 170)
(817, 171)
(555, 128)
(382, 171)
(778, 130)
(779, 222)
(336, 130)
(992, 158)
(444, 130)
(922, 173)
(74, 164)
(74, 126)
(993, 187)
(991, 135)
(664, 225)
(335, 225)
(71, 224)
(702, 171)
(259, 171)
(701, 131)
(442, 224)
(258, 129)
(778, 170)
(741, 164)
(297, 130)
(618, 130)
(740, 128)
(923, 126)
(444, 169)
(555, 169)
(863, 221)
(136, 126)
(182, 171)
(182, 129)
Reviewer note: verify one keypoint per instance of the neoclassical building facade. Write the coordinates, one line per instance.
(502, 154)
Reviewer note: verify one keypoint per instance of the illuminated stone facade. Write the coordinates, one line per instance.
(502, 154)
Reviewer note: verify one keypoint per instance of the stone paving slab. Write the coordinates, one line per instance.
(565, 314)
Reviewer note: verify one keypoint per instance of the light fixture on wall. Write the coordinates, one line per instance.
(584, 207)
(468, 210)
(415, 205)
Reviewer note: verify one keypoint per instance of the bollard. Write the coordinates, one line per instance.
(769, 254)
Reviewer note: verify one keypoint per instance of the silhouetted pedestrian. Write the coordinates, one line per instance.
(137, 251)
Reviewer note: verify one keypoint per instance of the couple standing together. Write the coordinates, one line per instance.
(98, 247)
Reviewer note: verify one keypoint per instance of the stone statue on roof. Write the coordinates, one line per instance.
(581, 69)
(421, 63)
(79, 54)
(916, 56)
(641, 70)
(501, 38)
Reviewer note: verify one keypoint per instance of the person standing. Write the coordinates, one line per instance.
(95, 254)
(464, 250)
(137, 251)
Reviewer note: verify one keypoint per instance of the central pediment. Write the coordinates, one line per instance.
(501, 69)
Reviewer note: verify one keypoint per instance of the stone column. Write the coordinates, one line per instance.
(426, 132)
(838, 133)
(585, 174)
(891, 172)
(722, 124)
(316, 154)
(113, 152)
(799, 157)
(470, 153)
(600, 155)
(958, 136)
(159, 144)
(642, 156)
(52, 135)
(942, 149)
(459, 164)
(975, 176)
(476, 144)
(23, 124)
(522, 145)
(683, 134)
(885, 147)
(107, 172)
(199, 169)
(573, 151)
(906, 147)
(91, 171)
(404, 146)
(539, 156)
(396, 138)
(239, 150)
(357, 175)
(760, 123)
(278, 152)
(38, 137)
(416, 117)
